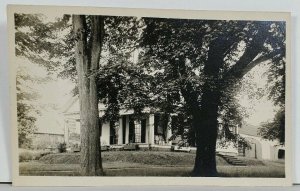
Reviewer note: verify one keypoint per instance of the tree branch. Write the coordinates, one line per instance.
(255, 62)
(247, 62)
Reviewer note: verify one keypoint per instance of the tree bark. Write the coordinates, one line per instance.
(205, 124)
(205, 119)
(87, 60)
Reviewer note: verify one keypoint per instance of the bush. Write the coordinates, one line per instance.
(62, 147)
(25, 156)
(28, 155)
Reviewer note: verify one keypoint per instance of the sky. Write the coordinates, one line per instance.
(259, 109)
(52, 98)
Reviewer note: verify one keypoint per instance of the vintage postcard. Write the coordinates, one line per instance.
(113, 96)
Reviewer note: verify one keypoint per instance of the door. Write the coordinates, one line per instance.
(112, 135)
(143, 131)
(131, 131)
(124, 128)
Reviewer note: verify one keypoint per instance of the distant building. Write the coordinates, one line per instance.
(50, 131)
(260, 148)
(46, 140)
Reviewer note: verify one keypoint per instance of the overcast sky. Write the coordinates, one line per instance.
(259, 109)
(53, 95)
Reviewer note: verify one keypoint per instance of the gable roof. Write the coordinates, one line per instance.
(70, 103)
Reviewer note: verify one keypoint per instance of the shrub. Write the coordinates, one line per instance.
(28, 155)
(62, 147)
(25, 156)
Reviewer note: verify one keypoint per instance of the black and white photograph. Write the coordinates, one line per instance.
(146, 95)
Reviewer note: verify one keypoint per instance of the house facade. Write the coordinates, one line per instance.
(146, 131)
(126, 130)
(41, 140)
(50, 131)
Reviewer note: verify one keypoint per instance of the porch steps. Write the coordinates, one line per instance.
(232, 160)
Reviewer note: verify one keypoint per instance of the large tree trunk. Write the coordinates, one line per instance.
(205, 119)
(205, 115)
(205, 124)
(86, 64)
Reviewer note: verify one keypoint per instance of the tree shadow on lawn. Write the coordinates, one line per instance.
(147, 163)
(133, 169)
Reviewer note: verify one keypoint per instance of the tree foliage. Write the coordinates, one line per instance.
(275, 130)
(38, 41)
(202, 64)
(33, 42)
(175, 51)
(26, 111)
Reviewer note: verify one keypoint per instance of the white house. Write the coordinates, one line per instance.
(50, 130)
(126, 131)
(260, 148)
(148, 131)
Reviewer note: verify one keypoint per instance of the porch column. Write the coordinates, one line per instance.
(120, 131)
(137, 128)
(147, 131)
(127, 130)
(169, 132)
(151, 129)
(66, 132)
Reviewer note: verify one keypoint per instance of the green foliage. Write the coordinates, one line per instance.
(176, 53)
(26, 112)
(62, 147)
(38, 41)
(274, 130)
(119, 79)
(26, 125)
(29, 155)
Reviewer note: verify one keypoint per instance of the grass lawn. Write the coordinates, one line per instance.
(147, 163)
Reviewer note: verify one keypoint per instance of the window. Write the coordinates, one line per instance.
(124, 128)
(112, 138)
(158, 125)
(143, 131)
(131, 131)
(281, 154)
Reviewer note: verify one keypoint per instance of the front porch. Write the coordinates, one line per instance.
(147, 131)
(153, 132)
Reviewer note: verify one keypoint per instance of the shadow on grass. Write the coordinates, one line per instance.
(224, 171)
(148, 163)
